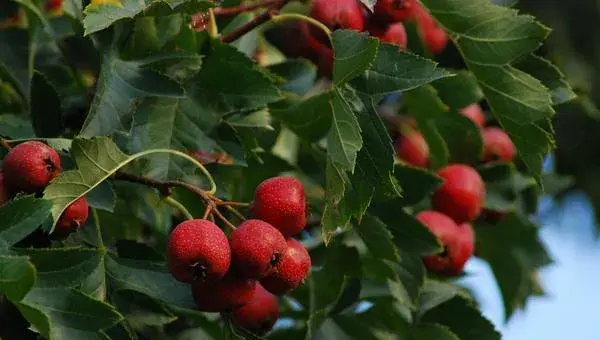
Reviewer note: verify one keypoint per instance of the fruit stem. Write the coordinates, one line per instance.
(4, 144)
(235, 212)
(233, 10)
(224, 219)
(213, 29)
(279, 18)
(254, 23)
(179, 206)
(207, 212)
(233, 204)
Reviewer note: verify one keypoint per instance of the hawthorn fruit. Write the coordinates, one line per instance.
(394, 34)
(390, 11)
(198, 251)
(474, 113)
(462, 194)
(259, 314)
(256, 249)
(29, 167)
(229, 293)
(339, 14)
(497, 145)
(280, 201)
(458, 241)
(292, 270)
(74, 216)
(412, 148)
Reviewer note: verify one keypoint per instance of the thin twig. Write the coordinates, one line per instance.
(233, 10)
(207, 212)
(177, 205)
(4, 143)
(235, 212)
(254, 23)
(232, 204)
(224, 219)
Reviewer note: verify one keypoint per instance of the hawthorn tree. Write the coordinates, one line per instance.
(192, 169)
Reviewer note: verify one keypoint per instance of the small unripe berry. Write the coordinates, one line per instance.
(198, 251)
(260, 314)
(4, 195)
(475, 114)
(74, 216)
(338, 14)
(462, 194)
(412, 148)
(256, 249)
(497, 145)
(227, 294)
(458, 242)
(394, 34)
(292, 270)
(395, 10)
(280, 201)
(30, 166)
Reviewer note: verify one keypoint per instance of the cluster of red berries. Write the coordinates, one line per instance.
(385, 23)
(241, 275)
(28, 168)
(459, 200)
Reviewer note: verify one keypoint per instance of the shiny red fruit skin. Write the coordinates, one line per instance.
(280, 201)
(30, 166)
(395, 10)
(198, 251)
(433, 37)
(474, 113)
(497, 145)
(462, 194)
(256, 249)
(227, 294)
(74, 216)
(260, 314)
(394, 34)
(458, 242)
(413, 149)
(292, 270)
(4, 195)
(338, 14)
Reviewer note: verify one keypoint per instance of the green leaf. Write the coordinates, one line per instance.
(462, 319)
(150, 278)
(514, 251)
(102, 15)
(394, 71)
(521, 103)
(20, 217)
(18, 276)
(140, 310)
(459, 91)
(344, 139)
(354, 54)
(60, 313)
(15, 127)
(463, 138)
(416, 184)
(45, 107)
(64, 267)
(119, 85)
(433, 332)
(300, 75)
(14, 57)
(378, 238)
(102, 197)
(543, 70)
(96, 159)
(310, 118)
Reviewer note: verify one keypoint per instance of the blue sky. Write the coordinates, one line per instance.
(569, 310)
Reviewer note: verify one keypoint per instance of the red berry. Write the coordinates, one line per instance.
(280, 201)
(52, 5)
(394, 34)
(224, 295)
(292, 270)
(260, 314)
(412, 148)
(30, 166)
(475, 114)
(256, 248)
(198, 251)
(74, 216)
(433, 37)
(4, 195)
(458, 242)
(462, 194)
(395, 10)
(338, 14)
(497, 145)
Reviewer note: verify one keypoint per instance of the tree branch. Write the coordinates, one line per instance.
(233, 10)
(259, 20)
